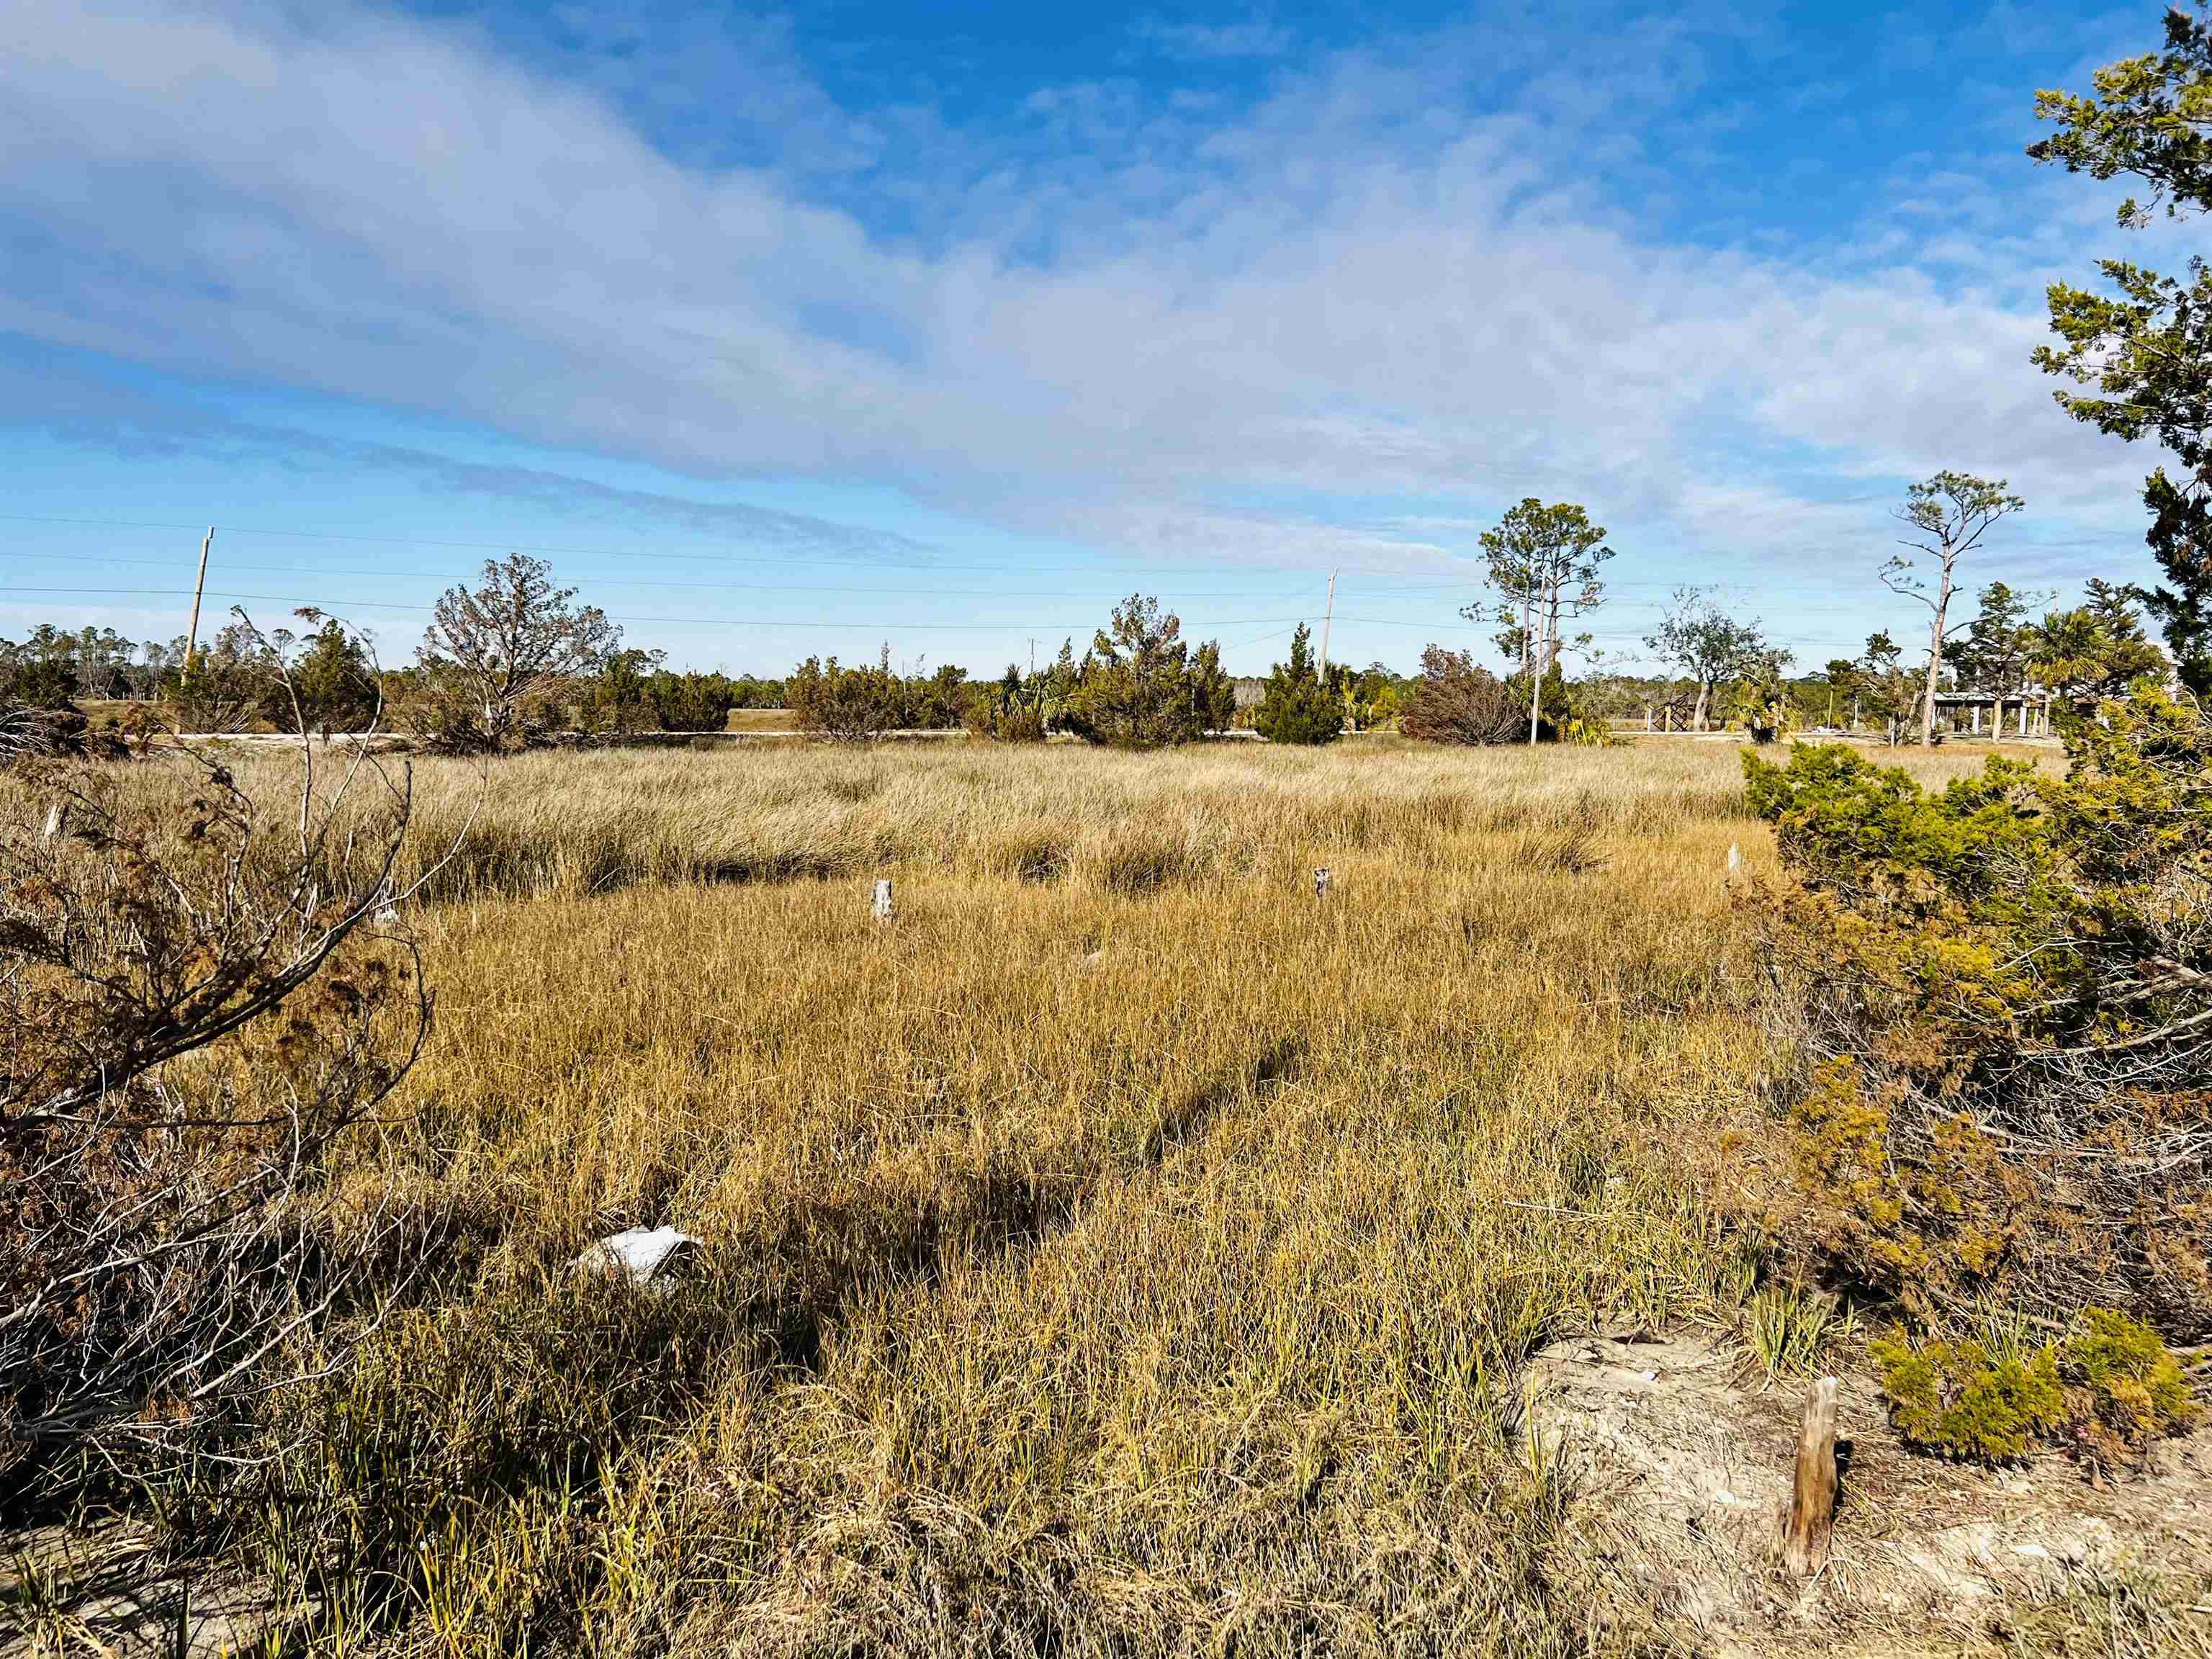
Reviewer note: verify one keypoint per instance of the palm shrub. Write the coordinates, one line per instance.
(1010, 709)
(1298, 708)
(2003, 993)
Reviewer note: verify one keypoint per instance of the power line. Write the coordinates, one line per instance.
(810, 558)
(698, 622)
(620, 581)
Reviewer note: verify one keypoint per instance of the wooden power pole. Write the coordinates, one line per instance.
(199, 586)
(1327, 617)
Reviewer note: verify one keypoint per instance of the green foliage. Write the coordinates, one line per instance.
(40, 672)
(1298, 708)
(1142, 687)
(2128, 1386)
(1544, 562)
(2112, 1387)
(848, 705)
(1993, 656)
(1789, 1328)
(1712, 649)
(1952, 1397)
(2096, 650)
(858, 705)
(1016, 708)
(2144, 347)
(224, 685)
(333, 685)
(2006, 1004)
(693, 702)
(1878, 688)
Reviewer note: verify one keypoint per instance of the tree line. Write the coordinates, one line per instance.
(515, 659)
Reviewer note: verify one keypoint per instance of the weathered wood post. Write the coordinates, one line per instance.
(1734, 864)
(883, 899)
(1321, 882)
(1805, 1529)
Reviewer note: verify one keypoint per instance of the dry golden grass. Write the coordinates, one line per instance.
(760, 719)
(1123, 1252)
(591, 822)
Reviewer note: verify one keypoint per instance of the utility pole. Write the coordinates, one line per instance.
(192, 634)
(1032, 656)
(1327, 617)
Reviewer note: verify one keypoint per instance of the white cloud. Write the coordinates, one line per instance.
(1349, 293)
(1250, 38)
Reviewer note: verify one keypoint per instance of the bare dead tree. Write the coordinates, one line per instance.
(1949, 515)
(201, 993)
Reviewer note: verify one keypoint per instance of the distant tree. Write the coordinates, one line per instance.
(2145, 346)
(1010, 709)
(936, 702)
(1544, 562)
(618, 699)
(101, 659)
(1212, 691)
(695, 702)
(1760, 698)
(1879, 685)
(1142, 686)
(1370, 697)
(38, 714)
(1298, 706)
(1455, 700)
(1947, 516)
(37, 672)
(1992, 655)
(332, 685)
(848, 705)
(226, 684)
(499, 662)
(1711, 648)
(2095, 650)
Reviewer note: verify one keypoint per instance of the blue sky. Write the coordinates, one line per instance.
(792, 331)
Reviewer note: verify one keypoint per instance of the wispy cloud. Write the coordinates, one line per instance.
(1354, 289)
(1249, 38)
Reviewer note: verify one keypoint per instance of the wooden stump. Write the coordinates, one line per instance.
(883, 901)
(1321, 882)
(1813, 1495)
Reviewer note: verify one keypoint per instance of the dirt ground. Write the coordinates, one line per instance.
(1682, 1464)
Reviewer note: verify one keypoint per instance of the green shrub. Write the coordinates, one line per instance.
(1952, 1397)
(2111, 1387)
(2004, 1011)
(1142, 685)
(1298, 708)
(2126, 1386)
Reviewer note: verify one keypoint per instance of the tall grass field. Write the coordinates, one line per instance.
(1122, 1250)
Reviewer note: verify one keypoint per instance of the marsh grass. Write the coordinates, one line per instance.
(1124, 1252)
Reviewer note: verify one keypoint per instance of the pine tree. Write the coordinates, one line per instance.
(1298, 708)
